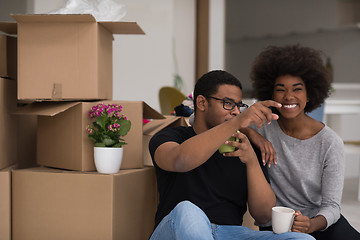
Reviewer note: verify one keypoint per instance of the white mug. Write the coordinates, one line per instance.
(282, 219)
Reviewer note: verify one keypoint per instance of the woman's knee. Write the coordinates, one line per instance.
(339, 230)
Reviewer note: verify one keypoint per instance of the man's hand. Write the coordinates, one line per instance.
(243, 148)
(258, 114)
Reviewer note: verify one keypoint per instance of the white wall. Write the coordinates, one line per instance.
(217, 34)
(185, 39)
(43, 6)
(254, 24)
(13, 6)
(146, 63)
(142, 64)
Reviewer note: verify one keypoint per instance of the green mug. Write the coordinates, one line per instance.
(227, 148)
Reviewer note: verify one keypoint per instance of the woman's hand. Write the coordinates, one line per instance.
(301, 223)
(308, 225)
(268, 154)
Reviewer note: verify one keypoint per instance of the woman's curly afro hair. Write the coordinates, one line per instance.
(294, 60)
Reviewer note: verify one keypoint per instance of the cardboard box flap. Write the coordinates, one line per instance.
(10, 168)
(153, 124)
(156, 125)
(21, 18)
(150, 113)
(123, 27)
(45, 108)
(113, 27)
(8, 27)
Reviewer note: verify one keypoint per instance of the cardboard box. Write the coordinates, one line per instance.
(8, 123)
(66, 57)
(154, 126)
(26, 141)
(62, 140)
(5, 203)
(54, 204)
(249, 221)
(8, 57)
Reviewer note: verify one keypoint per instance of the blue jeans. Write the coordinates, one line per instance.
(188, 222)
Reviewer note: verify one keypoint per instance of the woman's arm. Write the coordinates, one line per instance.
(268, 154)
(331, 190)
(332, 181)
(308, 225)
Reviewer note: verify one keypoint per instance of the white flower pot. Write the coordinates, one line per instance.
(108, 160)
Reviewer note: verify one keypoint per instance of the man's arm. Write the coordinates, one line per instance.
(268, 153)
(261, 197)
(184, 157)
(195, 151)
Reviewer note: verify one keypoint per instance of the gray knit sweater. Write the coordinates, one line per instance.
(309, 174)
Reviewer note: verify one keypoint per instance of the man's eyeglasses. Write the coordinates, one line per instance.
(229, 104)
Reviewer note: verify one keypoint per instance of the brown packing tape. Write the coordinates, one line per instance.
(57, 91)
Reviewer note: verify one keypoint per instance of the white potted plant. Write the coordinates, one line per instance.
(107, 129)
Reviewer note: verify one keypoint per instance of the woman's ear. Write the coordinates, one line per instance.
(201, 103)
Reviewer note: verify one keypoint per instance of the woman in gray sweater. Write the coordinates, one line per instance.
(307, 167)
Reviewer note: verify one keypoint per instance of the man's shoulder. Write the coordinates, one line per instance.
(177, 129)
(178, 132)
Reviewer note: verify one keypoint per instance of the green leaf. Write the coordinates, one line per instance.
(101, 121)
(99, 145)
(92, 138)
(108, 142)
(118, 145)
(125, 126)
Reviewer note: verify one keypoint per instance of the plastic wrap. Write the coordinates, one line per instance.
(102, 10)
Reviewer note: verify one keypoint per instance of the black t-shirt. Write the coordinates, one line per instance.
(218, 186)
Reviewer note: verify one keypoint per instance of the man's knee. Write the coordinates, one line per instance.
(186, 207)
(189, 212)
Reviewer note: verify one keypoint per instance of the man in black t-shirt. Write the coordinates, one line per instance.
(203, 193)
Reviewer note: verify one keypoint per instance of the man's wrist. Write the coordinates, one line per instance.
(252, 162)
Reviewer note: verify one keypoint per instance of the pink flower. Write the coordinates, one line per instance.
(90, 130)
(106, 118)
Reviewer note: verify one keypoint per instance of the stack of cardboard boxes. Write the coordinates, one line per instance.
(64, 66)
(8, 130)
